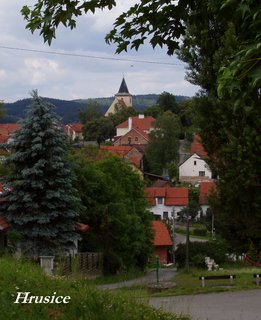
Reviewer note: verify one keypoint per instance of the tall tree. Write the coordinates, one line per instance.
(91, 112)
(163, 146)
(167, 102)
(41, 205)
(116, 211)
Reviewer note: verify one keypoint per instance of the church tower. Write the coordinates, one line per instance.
(123, 98)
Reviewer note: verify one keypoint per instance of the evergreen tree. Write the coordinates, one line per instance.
(41, 205)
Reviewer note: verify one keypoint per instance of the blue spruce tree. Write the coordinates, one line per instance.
(41, 205)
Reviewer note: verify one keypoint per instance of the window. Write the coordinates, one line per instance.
(195, 163)
(201, 173)
(160, 200)
(136, 139)
(165, 215)
(129, 140)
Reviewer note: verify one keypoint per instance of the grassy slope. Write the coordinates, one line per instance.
(86, 302)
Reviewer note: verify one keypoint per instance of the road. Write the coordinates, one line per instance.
(242, 305)
(164, 275)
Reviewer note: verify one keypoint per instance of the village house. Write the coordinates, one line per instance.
(74, 131)
(166, 201)
(162, 241)
(195, 168)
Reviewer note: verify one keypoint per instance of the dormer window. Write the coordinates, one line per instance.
(160, 200)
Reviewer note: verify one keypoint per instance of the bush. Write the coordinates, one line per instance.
(200, 232)
(199, 250)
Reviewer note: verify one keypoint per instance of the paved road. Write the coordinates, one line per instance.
(243, 305)
(150, 277)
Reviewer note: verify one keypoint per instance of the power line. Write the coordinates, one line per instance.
(90, 56)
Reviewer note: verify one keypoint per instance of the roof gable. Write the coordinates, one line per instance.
(161, 234)
(141, 123)
(205, 189)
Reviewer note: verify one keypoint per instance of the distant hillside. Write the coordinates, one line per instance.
(69, 110)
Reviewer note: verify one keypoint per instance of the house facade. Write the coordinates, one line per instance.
(194, 170)
(132, 137)
(74, 131)
(166, 201)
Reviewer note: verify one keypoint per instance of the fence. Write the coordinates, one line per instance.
(87, 263)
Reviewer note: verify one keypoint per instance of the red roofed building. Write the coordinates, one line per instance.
(196, 147)
(142, 123)
(162, 241)
(205, 189)
(130, 154)
(74, 131)
(7, 130)
(164, 200)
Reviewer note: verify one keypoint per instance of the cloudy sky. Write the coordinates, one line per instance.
(66, 76)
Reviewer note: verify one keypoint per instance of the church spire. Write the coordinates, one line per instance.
(123, 88)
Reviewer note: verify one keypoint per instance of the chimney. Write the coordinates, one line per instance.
(130, 123)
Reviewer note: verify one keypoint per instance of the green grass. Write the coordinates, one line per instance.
(189, 283)
(86, 302)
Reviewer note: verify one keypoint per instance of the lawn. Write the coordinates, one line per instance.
(86, 302)
(189, 283)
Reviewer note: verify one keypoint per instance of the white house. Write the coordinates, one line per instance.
(194, 169)
(164, 201)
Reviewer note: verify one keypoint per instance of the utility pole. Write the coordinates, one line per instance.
(173, 236)
(187, 243)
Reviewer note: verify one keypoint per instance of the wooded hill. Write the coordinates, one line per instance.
(69, 110)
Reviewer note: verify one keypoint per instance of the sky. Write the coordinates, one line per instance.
(84, 66)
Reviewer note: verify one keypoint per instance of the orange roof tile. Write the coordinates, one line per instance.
(161, 234)
(176, 197)
(205, 189)
(145, 123)
(196, 147)
(6, 129)
(173, 196)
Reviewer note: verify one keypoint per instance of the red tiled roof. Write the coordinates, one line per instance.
(145, 123)
(173, 196)
(6, 129)
(176, 197)
(205, 189)
(161, 234)
(77, 127)
(196, 147)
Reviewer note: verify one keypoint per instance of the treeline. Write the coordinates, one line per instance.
(69, 110)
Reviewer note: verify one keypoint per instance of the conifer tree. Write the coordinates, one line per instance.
(41, 205)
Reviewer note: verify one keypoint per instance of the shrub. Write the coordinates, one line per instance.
(199, 250)
(200, 232)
